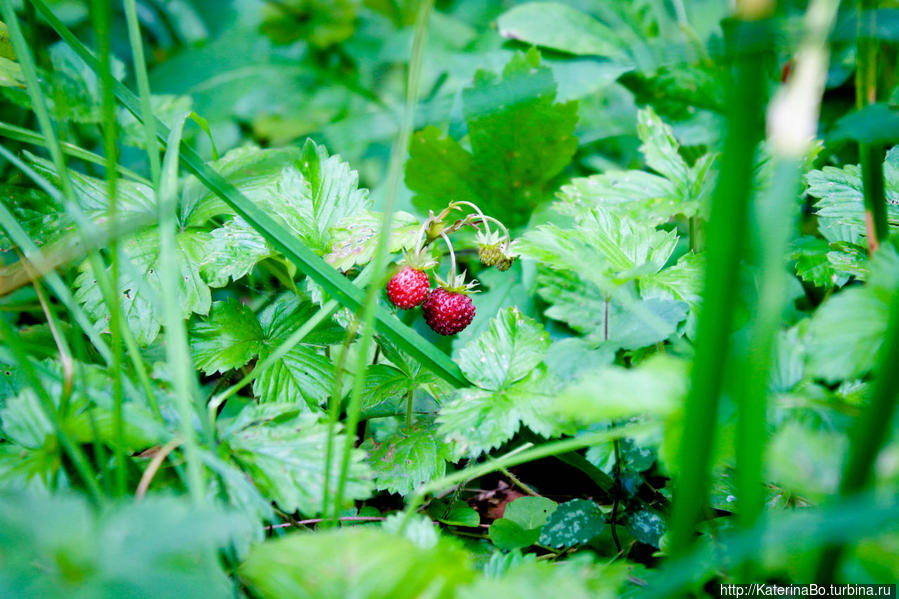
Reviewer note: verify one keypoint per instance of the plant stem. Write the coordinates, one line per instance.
(726, 233)
(871, 155)
(410, 394)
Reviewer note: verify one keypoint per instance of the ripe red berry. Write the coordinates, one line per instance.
(408, 288)
(448, 312)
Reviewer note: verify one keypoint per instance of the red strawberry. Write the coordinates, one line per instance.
(408, 288)
(448, 312)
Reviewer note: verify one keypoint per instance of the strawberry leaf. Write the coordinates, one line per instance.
(283, 450)
(229, 338)
(304, 375)
(503, 173)
(511, 347)
(408, 459)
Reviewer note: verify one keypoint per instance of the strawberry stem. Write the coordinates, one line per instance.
(452, 272)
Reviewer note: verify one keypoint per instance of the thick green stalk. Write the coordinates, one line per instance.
(870, 155)
(336, 285)
(725, 236)
(397, 159)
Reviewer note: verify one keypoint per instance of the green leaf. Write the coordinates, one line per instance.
(139, 286)
(355, 562)
(660, 148)
(560, 27)
(573, 523)
(582, 306)
(54, 545)
(461, 514)
(571, 578)
(654, 388)
(506, 352)
(646, 525)
(35, 212)
(806, 461)
(229, 338)
(644, 197)
(508, 535)
(354, 238)
(813, 264)
(477, 420)
(844, 333)
(283, 451)
(408, 459)
(841, 201)
(304, 374)
(501, 174)
(530, 512)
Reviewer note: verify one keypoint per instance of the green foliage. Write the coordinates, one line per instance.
(283, 450)
(508, 447)
(355, 562)
(56, 546)
(573, 523)
(502, 173)
(511, 388)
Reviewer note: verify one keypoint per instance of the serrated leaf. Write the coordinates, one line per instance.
(139, 285)
(650, 199)
(283, 450)
(660, 148)
(304, 375)
(582, 306)
(305, 190)
(477, 420)
(844, 333)
(530, 512)
(813, 264)
(232, 252)
(501, 174)
(408, 459)
(355, 562)
(573, 523)
(35, 211)
(508, 535)
(355, 237)
(506, 352)
(841, 200)
(229, 338)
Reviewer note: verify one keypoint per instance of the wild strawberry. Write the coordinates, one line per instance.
(448, 312)
(408, 288)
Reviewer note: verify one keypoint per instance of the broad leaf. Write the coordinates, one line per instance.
(506, 352)
(283, 450)
(573, 523)
(503, 175)
(530, 512)
(355, 562)
(560, 27)
(354, 238)
(408, 459)
(229, 338)
(304, 374)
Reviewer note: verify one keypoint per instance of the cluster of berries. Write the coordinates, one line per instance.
(448, 308)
